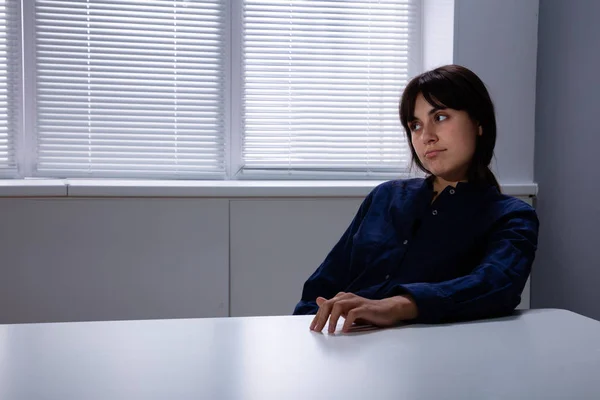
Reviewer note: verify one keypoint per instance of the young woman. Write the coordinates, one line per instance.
(447, 247)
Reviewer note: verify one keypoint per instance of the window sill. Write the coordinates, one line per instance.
(33, 188)
(215, 189)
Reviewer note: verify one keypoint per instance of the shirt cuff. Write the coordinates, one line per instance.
(432, 304)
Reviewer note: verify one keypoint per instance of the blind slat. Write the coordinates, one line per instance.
(130, 89)
(322, 81)
(10, 78)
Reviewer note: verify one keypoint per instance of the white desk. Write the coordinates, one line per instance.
(539, 354)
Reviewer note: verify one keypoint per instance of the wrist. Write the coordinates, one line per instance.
(406, 307)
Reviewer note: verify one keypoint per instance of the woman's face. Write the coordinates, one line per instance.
(444, 139)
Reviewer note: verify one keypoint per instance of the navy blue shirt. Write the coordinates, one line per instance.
(467, 255)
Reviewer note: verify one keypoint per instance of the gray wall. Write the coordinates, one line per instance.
(497, 39)
(567, 270)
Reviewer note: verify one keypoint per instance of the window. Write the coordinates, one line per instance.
(129, 88)
(212, 89)
(10, 80)
(321, 84)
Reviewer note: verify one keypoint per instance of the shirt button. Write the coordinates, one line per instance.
(434, 212)
(405, 242)
(387, 277)
(452, 191)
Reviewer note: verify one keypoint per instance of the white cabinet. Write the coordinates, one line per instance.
(109, 259)
(276, 245)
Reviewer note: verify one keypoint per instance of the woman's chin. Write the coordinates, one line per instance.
(437, 171)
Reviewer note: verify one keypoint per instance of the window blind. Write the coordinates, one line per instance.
(10, 66)
(130, 88)
(322, 82)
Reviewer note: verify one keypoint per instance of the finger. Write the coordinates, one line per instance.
(336, 311)
(318, 314)
(341, 309)
(314, 322)
(323, 315)
(361, 328)
(358, 313)
(342, 295)
(320, 300)
(324, 309)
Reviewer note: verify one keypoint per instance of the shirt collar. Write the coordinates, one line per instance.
(464, 187)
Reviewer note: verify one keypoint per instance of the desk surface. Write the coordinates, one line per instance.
(538, 354)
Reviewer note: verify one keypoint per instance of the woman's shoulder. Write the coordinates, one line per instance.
(394, 192)
(510, 203)
(502, 206)
(400, 185)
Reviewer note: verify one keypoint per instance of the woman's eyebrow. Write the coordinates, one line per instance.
(433, 110)
(436, 109)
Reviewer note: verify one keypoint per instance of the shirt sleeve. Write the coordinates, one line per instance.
(332, 275)
(493, 287)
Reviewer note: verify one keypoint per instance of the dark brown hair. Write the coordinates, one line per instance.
(456, 87)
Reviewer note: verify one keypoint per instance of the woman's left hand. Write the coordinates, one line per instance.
(353, 308)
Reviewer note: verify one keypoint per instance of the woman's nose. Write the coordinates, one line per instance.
(429, 135)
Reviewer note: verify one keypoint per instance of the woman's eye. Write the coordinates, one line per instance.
(440, 117)
(415, 127)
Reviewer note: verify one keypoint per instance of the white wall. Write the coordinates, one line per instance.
(497, 39)
(437, 33)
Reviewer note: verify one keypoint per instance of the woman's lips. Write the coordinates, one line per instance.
(433, 153)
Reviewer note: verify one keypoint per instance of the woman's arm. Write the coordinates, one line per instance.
(332, 275)
(493, 288)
